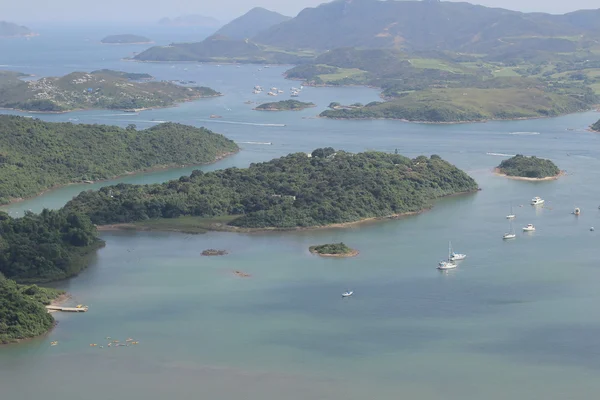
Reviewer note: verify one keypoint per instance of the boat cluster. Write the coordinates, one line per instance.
(294, 92)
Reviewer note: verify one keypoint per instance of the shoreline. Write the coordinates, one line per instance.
(523, 178)
(130, 110)
(139, 172)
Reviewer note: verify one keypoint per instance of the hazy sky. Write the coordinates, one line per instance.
(139, 10)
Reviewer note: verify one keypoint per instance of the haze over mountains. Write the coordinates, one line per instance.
(9, 29)
(252, 23)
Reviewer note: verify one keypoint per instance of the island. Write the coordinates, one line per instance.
(75, 153)
(333, 250)
(214, 252)
(9, 29)
(299, 191)
(284, 105)
(528, 168)
(126, 39)
(596, 127)
(104, 89)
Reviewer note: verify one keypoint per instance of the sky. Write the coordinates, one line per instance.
(38, 11)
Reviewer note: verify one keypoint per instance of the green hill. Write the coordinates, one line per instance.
(22, 312)
(219, 48)
(8, 29)
(421, 26)
(293, 191)
(103, 89)
(250, 24)
(126, 39)
(37, 155)
(528, 167)
(596, 126)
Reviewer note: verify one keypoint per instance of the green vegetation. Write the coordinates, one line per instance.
(45, 247)
(221, 49)
(103, 89)
(37, 155)
(22, 312)
(528, 167)
(596, 126)
(250, 24)
(8, 29)
(465, 104)
(134, 76)
(126, 39)
(293, 191)
(285, 105)
(337, 249)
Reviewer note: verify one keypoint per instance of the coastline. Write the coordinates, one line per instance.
(175, 104)
(353, 253)
(522, 178)
(132, 173)
(285, 109)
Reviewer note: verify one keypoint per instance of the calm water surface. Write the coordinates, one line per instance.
(515, 320)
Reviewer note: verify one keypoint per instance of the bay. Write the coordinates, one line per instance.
(516, 319)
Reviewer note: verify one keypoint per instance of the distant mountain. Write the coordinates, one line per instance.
(191, 20)
(421, 26)
(250, 24)
(126, 39)
(8, 29)
(218, 48)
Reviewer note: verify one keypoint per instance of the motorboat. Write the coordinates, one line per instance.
(536, 201)
(347, 294)
(449, 263)
(272, 94)
(456, 256)
(577, 211)
(529, 228)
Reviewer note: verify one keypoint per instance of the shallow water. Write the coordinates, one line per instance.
(515, 320)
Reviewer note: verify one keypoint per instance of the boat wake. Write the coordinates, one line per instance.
(239, 123)
(255, 142)
(500, 154)
(524, 133)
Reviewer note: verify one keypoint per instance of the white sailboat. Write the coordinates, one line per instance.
(511, 215)
(447, 264)
(348, 293)
(511, 234)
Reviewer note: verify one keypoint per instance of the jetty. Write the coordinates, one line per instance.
(67, 309)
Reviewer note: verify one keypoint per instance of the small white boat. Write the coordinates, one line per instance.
(449, 263)
(511, 215)
(456, 256)
(529, 228)
(536, 201)
(577, 211)
(280, 91)
(347, 294)
(511, 234)
(257, 91)
(272, 94)
(274, 89)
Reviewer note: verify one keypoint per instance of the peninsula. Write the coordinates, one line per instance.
(49, 246)
(104, 89)
(285, 105)
(126, 39)
(333, 250)
(74, 153)
(298, 191)
(9, 29)
(528, 168)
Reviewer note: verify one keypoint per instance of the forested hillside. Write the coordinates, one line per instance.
(37, 155)
(293, 191)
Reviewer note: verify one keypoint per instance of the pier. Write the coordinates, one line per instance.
(67, 309)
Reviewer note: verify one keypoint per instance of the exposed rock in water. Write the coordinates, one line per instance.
(213, 252)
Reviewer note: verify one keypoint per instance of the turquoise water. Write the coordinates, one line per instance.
(515, 320)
